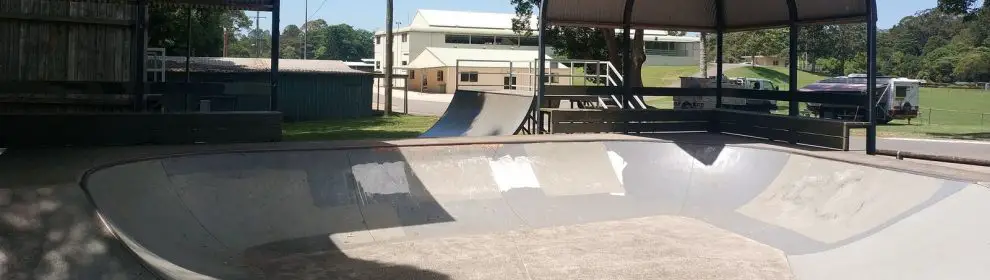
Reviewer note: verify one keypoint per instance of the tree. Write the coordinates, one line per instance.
(582, 42)
(961, 6)
(973, 65)
(168, 28)
(291, 42)
(339, 42)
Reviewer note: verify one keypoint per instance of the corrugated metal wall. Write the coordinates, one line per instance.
(58, 40)
(306, 96)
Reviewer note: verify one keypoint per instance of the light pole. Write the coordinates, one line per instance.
(305, 29)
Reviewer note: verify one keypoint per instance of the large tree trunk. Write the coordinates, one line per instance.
(638, 54)
(638, 58)
(702, 53)
(612, 46)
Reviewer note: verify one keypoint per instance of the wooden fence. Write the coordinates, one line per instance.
(59, 40)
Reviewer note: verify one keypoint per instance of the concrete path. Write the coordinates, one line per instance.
(423, 104)
(969, 149)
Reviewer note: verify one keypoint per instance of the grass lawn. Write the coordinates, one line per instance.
(653, 76)
(666, 76)
(946, 113)
(778, 75)
(394, 127)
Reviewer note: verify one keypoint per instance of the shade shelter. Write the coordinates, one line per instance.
(718, 17)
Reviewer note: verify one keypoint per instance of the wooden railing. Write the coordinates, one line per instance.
(851, 98)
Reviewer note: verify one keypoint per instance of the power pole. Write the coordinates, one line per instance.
(388, 57)
(257, 28)
(305, 29)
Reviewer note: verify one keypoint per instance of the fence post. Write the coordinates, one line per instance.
(981, 118)
(405, 96)
(929, 116)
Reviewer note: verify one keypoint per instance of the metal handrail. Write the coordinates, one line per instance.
(610, 66)
(616, 100)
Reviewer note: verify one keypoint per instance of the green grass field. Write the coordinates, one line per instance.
(778, 75)
(666, 76)
(382, 128)
(653, 76)
(945, 113)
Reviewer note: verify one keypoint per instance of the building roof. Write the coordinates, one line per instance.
(464, 19)
(246, 65)
(700, 15)
(254, 5)
(449, 57)
(498, 24)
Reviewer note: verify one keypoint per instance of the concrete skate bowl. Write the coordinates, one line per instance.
(482, 113)
(635, 209)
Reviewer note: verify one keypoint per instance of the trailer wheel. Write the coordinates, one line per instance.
(881, 116)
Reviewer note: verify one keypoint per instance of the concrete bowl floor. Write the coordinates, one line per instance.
(541, 210)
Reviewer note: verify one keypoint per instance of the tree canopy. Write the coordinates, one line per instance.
(209, 26)
(582, 42)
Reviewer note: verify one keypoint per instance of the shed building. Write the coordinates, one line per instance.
(308, 89)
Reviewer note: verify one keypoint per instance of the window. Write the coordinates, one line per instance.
(654, 45)
(412, 75)
(457, 39)
(378, 65)
(440, 76)
(509, 83)
(469, 77)
(553, 79)
(529, 41)
(900, 92)
(404, 37)
(508, 41)
(378, 40)
(482, 40)
(404, 63)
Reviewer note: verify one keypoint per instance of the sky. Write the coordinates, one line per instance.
(370, 14)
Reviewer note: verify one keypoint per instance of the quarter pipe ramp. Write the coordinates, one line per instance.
(482, 113)
(631, 209)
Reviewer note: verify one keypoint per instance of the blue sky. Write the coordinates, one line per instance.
(370, 14)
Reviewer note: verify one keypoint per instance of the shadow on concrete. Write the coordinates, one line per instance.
(51, 229)
(297, 259)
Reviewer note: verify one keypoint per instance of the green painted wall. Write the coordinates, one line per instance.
(302, 96)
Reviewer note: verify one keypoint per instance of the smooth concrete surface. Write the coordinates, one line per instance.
(542, 207)
(482, 113)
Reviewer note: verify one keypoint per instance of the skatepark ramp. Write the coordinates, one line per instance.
(532, 208)
(483, 113)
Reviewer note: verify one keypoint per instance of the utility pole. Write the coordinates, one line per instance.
(388, 57)
(305, 29)
(257, 28)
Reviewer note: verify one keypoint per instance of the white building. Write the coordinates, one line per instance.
(456, 29)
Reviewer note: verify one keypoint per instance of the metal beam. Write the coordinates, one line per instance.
(871, 72)
(627, 54)
(189, 25)
(276, 10)
(541, 70)
(793, 59)
(139, 51)
(719, 50)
